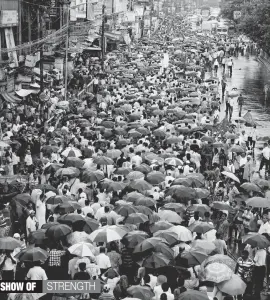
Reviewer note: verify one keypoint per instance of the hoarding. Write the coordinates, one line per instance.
(9, 18)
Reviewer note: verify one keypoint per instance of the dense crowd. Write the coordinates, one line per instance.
(148, 182)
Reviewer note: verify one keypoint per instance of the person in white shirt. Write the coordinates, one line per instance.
(259, 271)
(31, 223)
(103, 261)
(264, 225)
(136, 159)
(265, 159)
(87, 209)
(166, 290)
(36, 273)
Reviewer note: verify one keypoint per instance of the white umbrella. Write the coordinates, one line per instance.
(230, 175)
(81, 250)
(72, 152)
(170, 216)
(107, 234)
(184, 234)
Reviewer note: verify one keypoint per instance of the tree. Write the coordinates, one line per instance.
(255, 20)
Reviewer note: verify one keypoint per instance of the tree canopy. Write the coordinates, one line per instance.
(255, 19)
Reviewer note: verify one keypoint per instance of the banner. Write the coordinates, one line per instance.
(10, 84)
(90, 13)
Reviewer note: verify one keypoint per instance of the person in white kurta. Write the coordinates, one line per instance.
(41, 212)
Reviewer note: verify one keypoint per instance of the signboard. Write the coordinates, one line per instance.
(9, 18)
(10, 84)
(237, 15)
(53, 9)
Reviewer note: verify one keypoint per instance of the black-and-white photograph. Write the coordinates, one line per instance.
(135, 149)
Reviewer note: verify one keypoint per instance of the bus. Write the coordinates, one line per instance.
(222, 30)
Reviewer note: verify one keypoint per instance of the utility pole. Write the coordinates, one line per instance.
(102, 37)
(20, 23)
(41, 56)
(67, 46)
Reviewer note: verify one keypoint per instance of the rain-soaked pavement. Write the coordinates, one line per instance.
(249, 77)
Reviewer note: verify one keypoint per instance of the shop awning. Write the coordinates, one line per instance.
(22, 78)
(113, 36)
(11, 97)
(24, 93)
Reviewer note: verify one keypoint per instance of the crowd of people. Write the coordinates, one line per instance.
(148, 183)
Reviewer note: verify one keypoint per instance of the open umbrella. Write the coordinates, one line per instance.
(155, 177)
(258, 202)
(133, 196)
(204, 245)
(170, 237)
(194, 257)
(155, 261)
(145, 201)
(81, 250)
(177, 207)
(256, 240)
(107, 234)
(250, 187)
(201, 193)
(261, 182)
(140, 185)
(202, 227)
(143, 168)
(221, 205)
(220, 258)
(70, 218)
(185, 181)
(122, 171)
(184, 234)
(164, 249)
(237, 149)
(134, 238)
(170, 216)
(37, 237)
(58, 199)
(216, 272)
(144, 210)
(231, 176)
(141, 292)
(9, 243)
(46, 188)
(181, 192)
(193, 295)
(90, 225)
(48, 225)
(74, 162)
(103, 161)
(148, 244)
(115, 186)
(135, 175)
(136, 218)
(125, 210)
(33, 254)
(113, 153)
(92, 176)
(160, 225)
(57, 232)
(234, 286)
(71, 172)
(72, 152)
(67, 207)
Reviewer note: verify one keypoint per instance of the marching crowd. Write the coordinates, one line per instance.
(148, 183)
